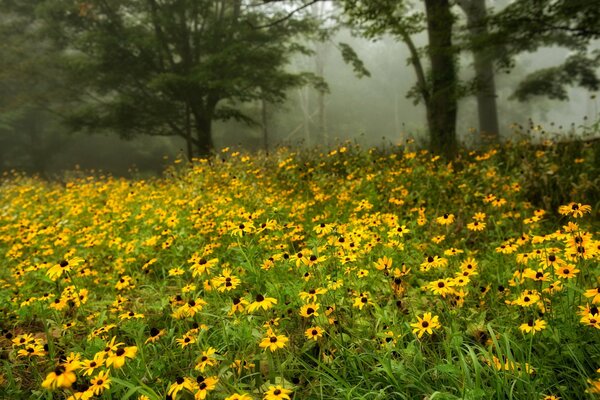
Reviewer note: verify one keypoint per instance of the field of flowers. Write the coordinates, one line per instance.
(353, 274)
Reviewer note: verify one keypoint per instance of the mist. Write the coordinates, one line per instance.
(370, 111)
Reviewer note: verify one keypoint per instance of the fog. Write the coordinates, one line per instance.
(371, 111)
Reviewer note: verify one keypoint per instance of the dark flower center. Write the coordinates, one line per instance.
(120, 352)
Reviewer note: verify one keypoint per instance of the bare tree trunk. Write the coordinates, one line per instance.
(188, 134)
(318, 12)
(204, 135)
(483, 62)
(443, 103)
(265, 126)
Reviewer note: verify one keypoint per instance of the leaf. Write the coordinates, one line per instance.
(350, 57)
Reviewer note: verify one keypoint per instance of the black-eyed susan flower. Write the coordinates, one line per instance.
(64, 266)
(238, 305)
(207, 359)
(277, 393)
(239, 396)
(62, 377)
(576, 210)
(117, 359)
(425, 324)
(311, 294)
(309, 310)
(593, 294)
(204, 385)
(441, 287)
(99, 383)
(445, 219)
(186, 340)
(32, 350)
(89, 366)
(313, 333)
(273, 342)
(261, 302)
(155, 334)
(384, 263)
(226, 281)
(179, 385)
(527, 299)
(533, 326)
(567, 271)
(362, 300)
(202, 266)
(476, 226)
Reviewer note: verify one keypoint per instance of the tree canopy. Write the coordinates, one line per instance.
(172, 67)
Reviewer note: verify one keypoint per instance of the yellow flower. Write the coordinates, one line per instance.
(89, 366)
(203, 385)
(476, 226)
(314, 333)
(238, 396)
(576, 210)
(277, 393)
(594, 294)
(62, 377)
(362, 300)
(180, 384)
(99, 383)
(384, 263)
(533, 326)
(262, 302)
(311, 295)
(207, 359)
(117, 359)
(425, 324)
(64, 266)
(309, 310)
(273, 341)
(186, 340)
(445, 219)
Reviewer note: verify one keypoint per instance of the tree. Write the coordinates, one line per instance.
(437, 89)
(525, 26)
(30, 94)
(173, 67)
(484, 54)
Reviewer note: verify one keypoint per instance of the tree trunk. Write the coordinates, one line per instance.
(483, 64)
(204, 134)
(188, 134)
(442, 106)
(265, 126)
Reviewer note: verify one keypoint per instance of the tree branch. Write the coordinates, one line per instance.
(285, 18)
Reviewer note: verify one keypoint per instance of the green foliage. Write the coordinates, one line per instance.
(141, 255)
(171, 68)
(350, 57)
(525, 26)
(577, 70)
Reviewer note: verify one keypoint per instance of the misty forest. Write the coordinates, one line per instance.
(299, 199)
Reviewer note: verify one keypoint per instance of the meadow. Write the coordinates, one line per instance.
(348, 274)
